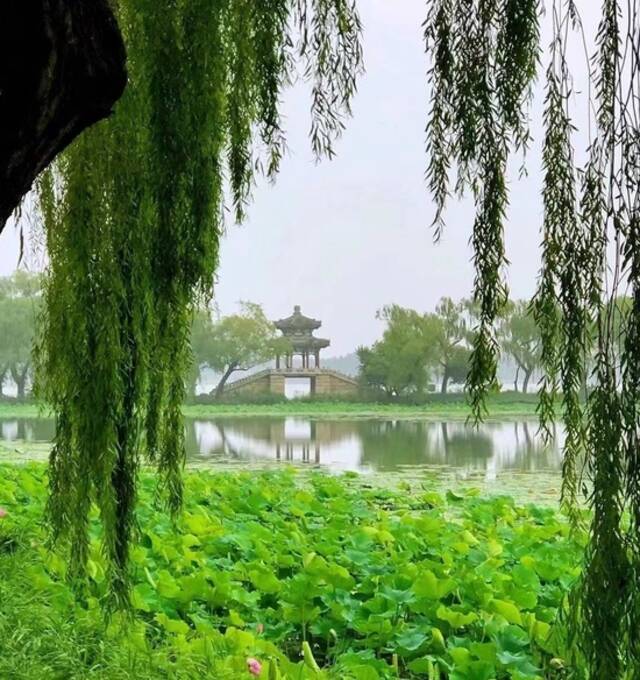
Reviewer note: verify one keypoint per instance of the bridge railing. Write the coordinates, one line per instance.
(286, 372)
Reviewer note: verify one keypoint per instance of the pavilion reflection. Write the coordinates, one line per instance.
(305, 449)
(378, 444)
(283, 439)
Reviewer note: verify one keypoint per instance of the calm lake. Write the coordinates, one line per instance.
(363, 445)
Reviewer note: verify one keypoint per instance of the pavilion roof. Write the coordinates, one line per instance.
(297, 322)
(308, 342)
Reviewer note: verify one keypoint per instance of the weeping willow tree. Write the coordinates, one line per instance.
(133, 213)
(484, 58)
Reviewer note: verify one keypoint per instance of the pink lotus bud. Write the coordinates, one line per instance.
(254, 666)
(3, 513)
(260, 628)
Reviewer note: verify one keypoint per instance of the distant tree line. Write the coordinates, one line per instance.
(418, 352)
(20, 296)
(429, 351)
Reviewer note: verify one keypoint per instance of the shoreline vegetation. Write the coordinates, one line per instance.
(454, 407)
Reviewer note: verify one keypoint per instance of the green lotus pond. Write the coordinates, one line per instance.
(314, 575)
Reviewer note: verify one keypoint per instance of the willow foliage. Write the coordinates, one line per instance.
(484, 56)
(133, 214)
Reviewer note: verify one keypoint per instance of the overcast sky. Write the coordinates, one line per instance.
(345, 237)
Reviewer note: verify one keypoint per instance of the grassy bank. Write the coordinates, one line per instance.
(9, 409)
(449, 409)
(369, 583)
(453, 407)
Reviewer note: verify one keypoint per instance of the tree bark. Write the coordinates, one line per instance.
(62, 68)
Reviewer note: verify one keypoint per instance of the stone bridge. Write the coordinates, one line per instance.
(322, 381)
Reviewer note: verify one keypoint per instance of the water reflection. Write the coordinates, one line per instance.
(374, 444)
(26, 429)
(358, 444)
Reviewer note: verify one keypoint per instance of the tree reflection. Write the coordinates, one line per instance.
(389, 445)
(27, 429)
(464, 446)
(384, 445)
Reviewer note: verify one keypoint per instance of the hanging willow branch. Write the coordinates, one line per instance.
(599, 323)
(484, 56)
(587, 305)
(133, 217)
(132, 213)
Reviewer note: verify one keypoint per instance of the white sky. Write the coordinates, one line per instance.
(343, 238)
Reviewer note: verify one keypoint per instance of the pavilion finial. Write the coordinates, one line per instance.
(296, 309)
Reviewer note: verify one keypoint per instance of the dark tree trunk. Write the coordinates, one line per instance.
(515, 380)
(62, 67)
(20, 379)
(445, 382)
(223, 380)
(527, 377)
(3, 376)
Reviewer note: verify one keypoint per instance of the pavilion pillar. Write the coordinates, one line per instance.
(277, 362)
(317, 359)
